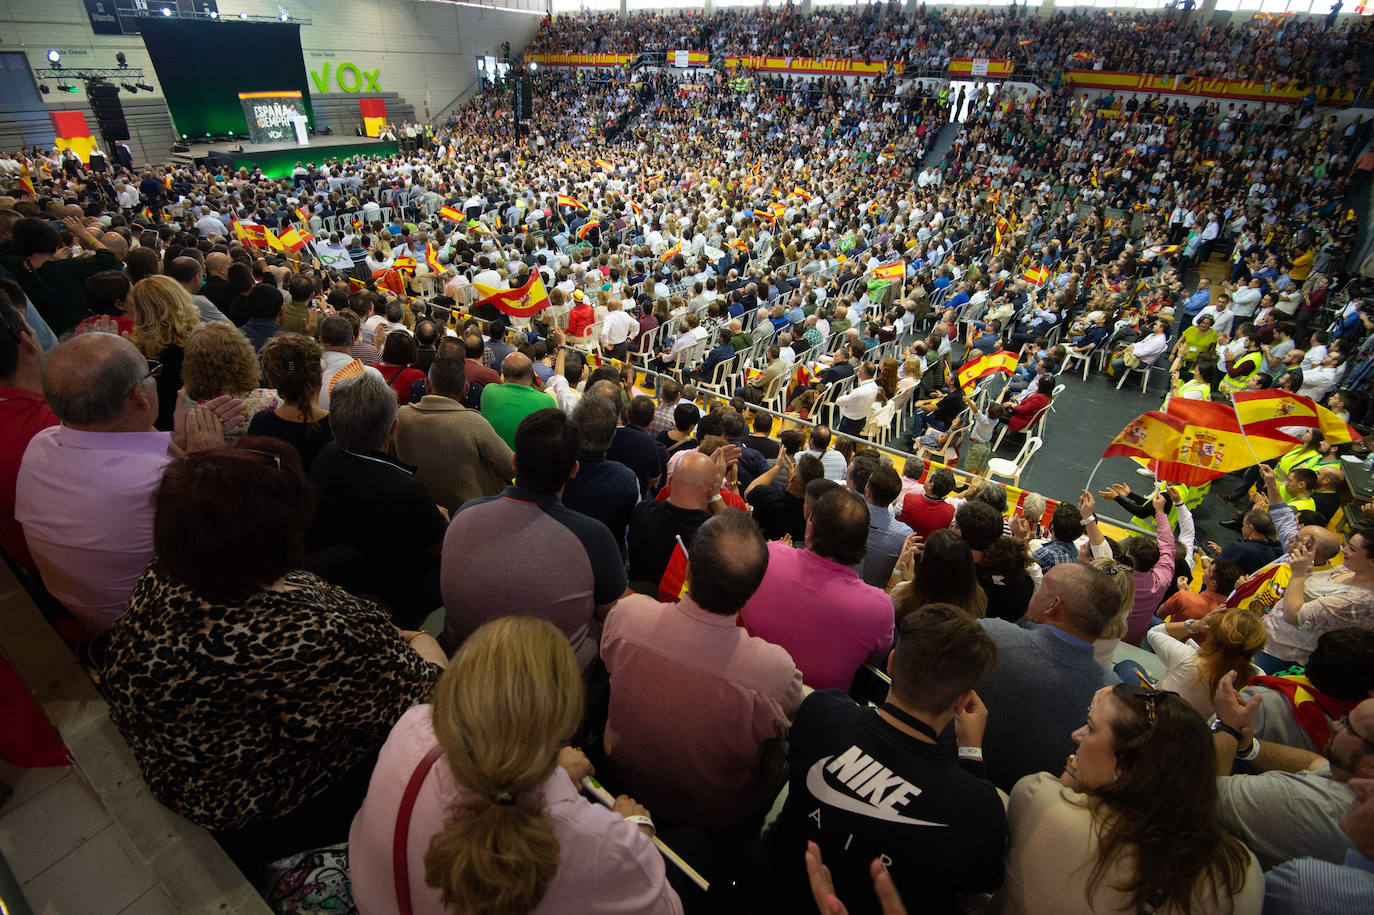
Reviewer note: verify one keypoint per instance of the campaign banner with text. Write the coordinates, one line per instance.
(271, 116)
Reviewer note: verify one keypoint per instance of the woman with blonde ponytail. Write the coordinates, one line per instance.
(497, 826)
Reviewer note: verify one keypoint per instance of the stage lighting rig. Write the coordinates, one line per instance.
(144, 86)
(54, 58)
(128, 88)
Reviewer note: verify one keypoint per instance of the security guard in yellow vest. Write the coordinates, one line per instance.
(1244, 368)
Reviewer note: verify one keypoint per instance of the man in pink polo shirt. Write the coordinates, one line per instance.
(812, 601)
(698, 707)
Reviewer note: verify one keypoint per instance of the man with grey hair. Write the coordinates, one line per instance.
(85, 488)
(369, 502)
(338, 362)
(189, 273)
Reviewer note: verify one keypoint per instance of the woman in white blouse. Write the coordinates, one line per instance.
(1233, 638)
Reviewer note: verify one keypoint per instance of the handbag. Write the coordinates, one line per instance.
(1129, 359)
(400, 867)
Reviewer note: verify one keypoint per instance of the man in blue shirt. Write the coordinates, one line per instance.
(720, 353)
(1195, 303)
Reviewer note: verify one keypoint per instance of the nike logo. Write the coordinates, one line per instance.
(867, 778)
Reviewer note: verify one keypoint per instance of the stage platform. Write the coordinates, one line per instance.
(278, 159)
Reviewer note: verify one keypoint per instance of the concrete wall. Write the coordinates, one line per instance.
(423, 50)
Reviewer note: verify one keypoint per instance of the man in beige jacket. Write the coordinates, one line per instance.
(454, 450)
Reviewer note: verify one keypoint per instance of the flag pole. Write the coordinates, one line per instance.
(1235, 410)
(1089, 485)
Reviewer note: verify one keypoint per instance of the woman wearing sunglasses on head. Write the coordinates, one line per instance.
(1131, 825)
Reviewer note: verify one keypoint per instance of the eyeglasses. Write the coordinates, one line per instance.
(1117, 569)
(1151, 698)
(154, 370)
(1344, 722)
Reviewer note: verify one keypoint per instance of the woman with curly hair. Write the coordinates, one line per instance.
(1233, 638)
(1132, 824)
(220, 360)
(887, 379)
(164, 317)
(291, 363)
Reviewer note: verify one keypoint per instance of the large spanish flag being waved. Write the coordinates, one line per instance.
(1195, 442)
(1266, 412)
(525, 302)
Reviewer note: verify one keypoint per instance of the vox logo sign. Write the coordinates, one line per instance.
(348, 76)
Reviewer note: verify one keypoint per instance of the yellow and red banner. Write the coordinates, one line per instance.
(1252, 90)
(373, 111)
(72, 132)
(524, 302)
(449, 212)
(978, 66)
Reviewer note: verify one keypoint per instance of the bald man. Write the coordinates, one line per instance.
(85, 488)
(118, 244)
(694, 492)
(505, 404)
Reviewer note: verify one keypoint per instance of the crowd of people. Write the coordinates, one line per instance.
(347, 545)
(1303, 52)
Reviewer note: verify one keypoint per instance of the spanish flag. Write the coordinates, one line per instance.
(1139, 207)
(525, 302)
(1025, 41)
(602, 163)
(975, 370)
(271, 239)
(585, 229)
(673, 585)
(675, 249)
(1208, 442)
(149, 215)
(294, 240)
(738, 244)
(760, 213)
(354, 284)
(26, 181)
(1208, 163)
(1036, 276)
(778, 208)
(565, 201)
(405, 262)
(873, 208)
(1266, 412)
(798, 192)
(801, 377)
(432, 258)
(167, 182)
(449, 212)
(893, 271)
(1092, 177)
(638, 210)
(1170, 249)
(302, 215)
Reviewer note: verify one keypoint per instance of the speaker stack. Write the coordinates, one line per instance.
(109, 112)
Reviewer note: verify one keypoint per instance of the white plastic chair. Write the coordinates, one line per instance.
(1012, 469)
(1143, 369)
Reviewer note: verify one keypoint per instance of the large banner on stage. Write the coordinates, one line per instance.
(271, 116)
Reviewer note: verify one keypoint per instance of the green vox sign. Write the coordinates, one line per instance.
(348, 76)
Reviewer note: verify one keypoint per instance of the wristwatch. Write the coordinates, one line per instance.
(1216, 724)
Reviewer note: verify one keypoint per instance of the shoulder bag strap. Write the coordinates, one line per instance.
(399, 863)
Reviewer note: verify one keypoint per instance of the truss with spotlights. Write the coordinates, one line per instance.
(159, 12)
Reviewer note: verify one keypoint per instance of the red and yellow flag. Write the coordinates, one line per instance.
(585, 229)
(675, 249)
(1266, 412)
(893, 271)
(293, 240)
(432, 258)
(638, 210)
(272, 240)
(302, 215)
(354, 284)
(799, 192)
(1194, 442)
(565, 201)
(801, 377)
(975, 370)
(405, 262)
(449, 212)
(764, 213)
(602, 163)
(525, 302)
(1036, 276)
(26, 181)
(673, 585)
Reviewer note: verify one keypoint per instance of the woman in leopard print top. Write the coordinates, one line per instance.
(255, 695)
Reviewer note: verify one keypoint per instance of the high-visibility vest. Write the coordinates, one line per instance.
(1231, 384)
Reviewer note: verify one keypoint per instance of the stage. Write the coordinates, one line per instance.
(277, 160)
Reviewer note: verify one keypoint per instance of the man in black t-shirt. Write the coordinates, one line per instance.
(872, 783)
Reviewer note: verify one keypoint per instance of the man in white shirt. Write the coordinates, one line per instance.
(1147, 350)
(855, 404)
(338, 362)
(208, 224)
(831, 460)
(1245, 299)
(616, 329)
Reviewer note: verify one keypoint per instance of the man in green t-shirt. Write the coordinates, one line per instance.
(505, 404)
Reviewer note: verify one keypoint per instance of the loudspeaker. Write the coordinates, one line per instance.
(108, 111)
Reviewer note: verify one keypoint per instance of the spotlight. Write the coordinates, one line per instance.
(54, 58)
(166, 11)
(285, 15)
(214, 14)
(144, 86)
(129, 88)
(243, 15)
(43, 88)
(534, 65)
(121, 60)
(63, 87)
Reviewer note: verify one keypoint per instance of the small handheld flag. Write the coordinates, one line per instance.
(450, 213)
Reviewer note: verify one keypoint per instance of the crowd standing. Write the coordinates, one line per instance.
(304, 456)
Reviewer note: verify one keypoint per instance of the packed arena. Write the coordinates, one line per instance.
(674, 485)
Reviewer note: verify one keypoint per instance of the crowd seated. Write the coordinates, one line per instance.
(252, 483)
